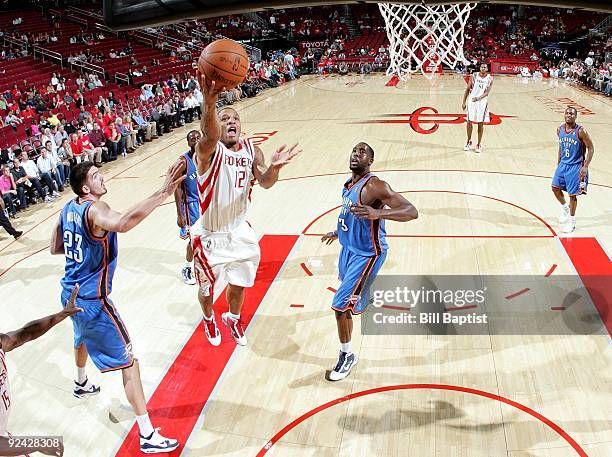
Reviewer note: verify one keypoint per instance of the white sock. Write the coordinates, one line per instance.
(187, 264)
(565, 206)
(81, 376)
(208, 318)
(346, 347)
(233, 316)
(573, 220)
(144, 424)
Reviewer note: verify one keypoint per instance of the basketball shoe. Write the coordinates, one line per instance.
(343, 368)
(565, 214)
(235, 326)
(211, 330)
(87, 389)
(467, 146)
(156, 443)
(478, 148)
(570, 226)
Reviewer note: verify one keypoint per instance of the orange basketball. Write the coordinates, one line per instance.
(224, 61)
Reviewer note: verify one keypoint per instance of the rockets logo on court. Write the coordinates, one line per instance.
(426, 120)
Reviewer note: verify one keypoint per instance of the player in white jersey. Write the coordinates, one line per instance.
(12, 340)
(476, 95)
(224, 244)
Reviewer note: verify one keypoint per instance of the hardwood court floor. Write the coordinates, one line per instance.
(492, 213)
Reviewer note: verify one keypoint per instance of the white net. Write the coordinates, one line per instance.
(423, 37)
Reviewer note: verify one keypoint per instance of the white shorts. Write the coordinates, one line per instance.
(232, 256)
(478, 111)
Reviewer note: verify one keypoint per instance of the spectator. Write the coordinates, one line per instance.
(8, 190)
(98, 140)
(28, 182)
(114, 141)
(48, 169)
(6, 223)
(126, 137)
(148, 128)
(92, 153)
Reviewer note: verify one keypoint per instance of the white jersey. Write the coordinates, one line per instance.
(224, 191)
(480, 85)
(5, 395)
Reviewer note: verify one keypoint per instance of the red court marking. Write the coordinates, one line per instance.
(461, 308)
(331, 289)
(546, 224)
(180, 397)
(296, 306)
(305, 268)
(558, 308)
(595, 270)
(393, 81)
(516, 294)
(22, 259)
(562, 433)
(397, 308)
(549, 272)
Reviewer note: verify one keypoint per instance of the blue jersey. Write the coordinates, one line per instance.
(189, 189)
(361, 236)
(572, 148)
(90, 260)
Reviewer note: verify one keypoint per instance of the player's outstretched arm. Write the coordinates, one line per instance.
(102, 217)
(210, 126)
(399, 209)
(36, 329)
(586, 139)
(267, 176)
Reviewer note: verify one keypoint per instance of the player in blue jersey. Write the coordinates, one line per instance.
(187, 203)
(572, 174)
(86, 234)
(366, 202)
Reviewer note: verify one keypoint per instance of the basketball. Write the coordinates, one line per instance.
(224, 61)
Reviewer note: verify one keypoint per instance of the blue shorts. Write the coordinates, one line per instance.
(567, 177)
(193, 214)
(103, 332)
(357, 272)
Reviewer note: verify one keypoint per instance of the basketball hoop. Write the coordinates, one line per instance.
(429, 36)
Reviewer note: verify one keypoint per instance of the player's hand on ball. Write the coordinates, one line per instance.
(70, 309)
(283, 156)
(174, 177)
(365, 212)
(329, 238)
(209, 88)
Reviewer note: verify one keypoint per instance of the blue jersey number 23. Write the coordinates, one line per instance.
(72, 246)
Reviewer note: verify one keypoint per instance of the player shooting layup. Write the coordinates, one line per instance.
(366, 202)
(224, 244)
(477, 94)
